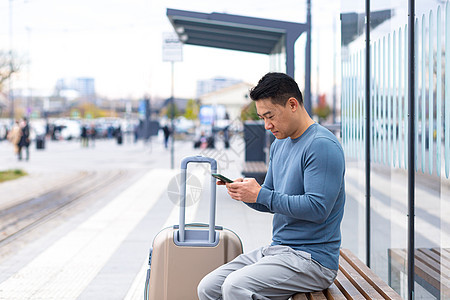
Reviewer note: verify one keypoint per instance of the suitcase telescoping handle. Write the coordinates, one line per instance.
(212, 206)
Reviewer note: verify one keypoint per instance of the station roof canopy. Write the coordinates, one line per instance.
(352, 24)
(232, 32)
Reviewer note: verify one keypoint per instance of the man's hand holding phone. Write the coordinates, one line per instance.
(222, 179)
(245, 190)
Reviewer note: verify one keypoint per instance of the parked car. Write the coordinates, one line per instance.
(69, 129)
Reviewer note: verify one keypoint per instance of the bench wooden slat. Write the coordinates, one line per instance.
(443, 252)
(423, 271)
(347, 287)
(331, 293)
(300, 296)
(433, 255)
(334, 293)
(376, 282)
(431, 276)
(442, 264)
(317, 296)
(358, 280)
(399, 256)
(254, 167)
(354, 281)
(444, 256)
(428, 261)
(445, 262)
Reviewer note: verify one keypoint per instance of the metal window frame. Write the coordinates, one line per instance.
(411, 141)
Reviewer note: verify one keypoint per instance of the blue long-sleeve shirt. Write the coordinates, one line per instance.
(304, 189)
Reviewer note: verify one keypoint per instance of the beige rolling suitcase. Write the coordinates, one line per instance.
(182, 255)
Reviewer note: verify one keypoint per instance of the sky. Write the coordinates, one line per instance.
(119, 43)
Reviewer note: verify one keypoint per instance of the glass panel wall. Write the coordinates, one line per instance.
(432, 259)
(352, 118)
(389, 141)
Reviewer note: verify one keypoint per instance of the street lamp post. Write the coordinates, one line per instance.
(29, 97)
(307, 100)
(172, 116)
(172, 52)
(11, 65)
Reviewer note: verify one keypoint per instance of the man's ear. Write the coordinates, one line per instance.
(293, 104)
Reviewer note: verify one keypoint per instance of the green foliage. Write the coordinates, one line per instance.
(11, 174)
(192, 110)
(90, 111)
(322, 110)
(172, 108)
(249, 112)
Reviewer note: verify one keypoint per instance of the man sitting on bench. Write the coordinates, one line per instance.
(304, 189)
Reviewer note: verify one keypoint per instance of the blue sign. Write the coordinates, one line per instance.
(206, 115)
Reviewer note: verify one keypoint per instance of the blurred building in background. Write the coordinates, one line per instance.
(213, 84)
(232, 98)
(81, 87)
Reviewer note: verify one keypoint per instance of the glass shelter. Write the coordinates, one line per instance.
(384, 88)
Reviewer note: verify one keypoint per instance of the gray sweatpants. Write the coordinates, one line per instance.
(270, 272)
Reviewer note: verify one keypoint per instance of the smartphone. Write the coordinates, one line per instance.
(221, 178)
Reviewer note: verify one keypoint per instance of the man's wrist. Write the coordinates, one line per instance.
(257, 194)
(264, 197)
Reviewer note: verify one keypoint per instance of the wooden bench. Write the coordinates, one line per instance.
(354, 281)
(255, 169)
(431, 269)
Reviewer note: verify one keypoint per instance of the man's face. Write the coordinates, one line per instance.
(277, 118)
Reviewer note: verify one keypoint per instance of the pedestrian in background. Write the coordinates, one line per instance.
(119, 136)
(166, 132)
(84, 136)
(24, 139)
(136, 133)
(93, 134)
(226, 137)
(14, 136)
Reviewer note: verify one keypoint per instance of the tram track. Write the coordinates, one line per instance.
(20, 218)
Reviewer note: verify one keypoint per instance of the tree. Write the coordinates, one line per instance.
(192, 109)
(249, 112)
(322, 110)
(172, 107)
(8, 66)
(89, 110)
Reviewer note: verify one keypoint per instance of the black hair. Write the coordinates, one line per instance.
(278, 87)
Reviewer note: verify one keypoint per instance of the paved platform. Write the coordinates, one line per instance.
(100, 251)
(66, 268)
